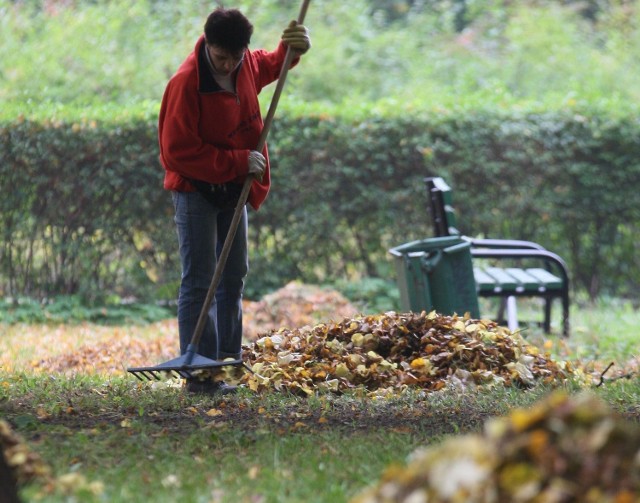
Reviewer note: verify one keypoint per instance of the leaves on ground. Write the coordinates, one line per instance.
(111, 356)
(383, 353)
(389, 352)
(92, 349)
(564, 449)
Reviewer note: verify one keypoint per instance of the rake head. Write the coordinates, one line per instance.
(186, 366)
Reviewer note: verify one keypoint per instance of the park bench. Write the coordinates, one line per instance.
(498, 264)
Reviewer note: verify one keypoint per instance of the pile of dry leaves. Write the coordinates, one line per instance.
(27, 466)
(562, 450)
(294, 305)
(389, 352)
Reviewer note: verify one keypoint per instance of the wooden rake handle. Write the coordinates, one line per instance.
(242, 201)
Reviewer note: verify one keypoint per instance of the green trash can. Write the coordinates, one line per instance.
(437, 274)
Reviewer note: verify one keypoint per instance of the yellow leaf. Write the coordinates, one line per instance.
(18, 458)
(538, 442)
(459, 325)
(214, 412)
(374, 357)
(253, 384)
(418, 363)
(342, 370)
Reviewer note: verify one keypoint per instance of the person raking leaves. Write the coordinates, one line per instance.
(209, 126)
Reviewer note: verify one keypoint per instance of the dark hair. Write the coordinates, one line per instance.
(229, 29)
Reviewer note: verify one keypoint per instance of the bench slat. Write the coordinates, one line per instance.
(502, 277)
(548, 280)
(513, 279)
(484, 282)
(528, 282)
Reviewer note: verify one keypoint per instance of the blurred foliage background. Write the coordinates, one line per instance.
(412, 53)
(528, 108)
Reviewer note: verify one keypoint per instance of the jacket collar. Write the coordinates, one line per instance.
(206, 82)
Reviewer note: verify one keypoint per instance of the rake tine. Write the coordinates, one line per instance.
(153, 375)
(138, 377)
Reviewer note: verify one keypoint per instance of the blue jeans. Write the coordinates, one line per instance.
(202, 230)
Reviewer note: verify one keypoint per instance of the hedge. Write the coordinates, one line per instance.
(84, 210)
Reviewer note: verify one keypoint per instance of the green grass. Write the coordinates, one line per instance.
(145, 445)
(160, 445)
(145, 442)
(607, 330)
(604, 331)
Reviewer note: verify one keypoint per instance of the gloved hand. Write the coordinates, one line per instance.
(257, 164)
(296, 36)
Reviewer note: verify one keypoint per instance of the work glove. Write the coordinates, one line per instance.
(296, 36)
(257, 164)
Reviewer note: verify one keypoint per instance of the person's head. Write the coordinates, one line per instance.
(227, 33)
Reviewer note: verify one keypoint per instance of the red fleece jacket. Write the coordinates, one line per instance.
(206, 133)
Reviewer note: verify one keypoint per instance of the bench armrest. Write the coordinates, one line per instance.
(503, 243)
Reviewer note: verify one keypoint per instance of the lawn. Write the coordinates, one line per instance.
(108, 437)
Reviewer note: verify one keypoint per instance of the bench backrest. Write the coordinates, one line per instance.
(440, 207)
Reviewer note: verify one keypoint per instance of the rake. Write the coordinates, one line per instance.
(191, 363)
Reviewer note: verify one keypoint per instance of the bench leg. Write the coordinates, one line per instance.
(512, 313)
(547, 315)
(565, 314)
(501, 309)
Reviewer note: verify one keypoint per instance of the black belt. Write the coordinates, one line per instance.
(223, 196)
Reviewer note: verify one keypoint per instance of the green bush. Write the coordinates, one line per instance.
(86, 212)
(82, 200)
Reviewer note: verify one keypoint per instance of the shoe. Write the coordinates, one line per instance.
(217, 388)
